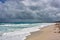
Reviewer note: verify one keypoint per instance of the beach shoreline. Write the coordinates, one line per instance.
(24, 33)
(45, 33)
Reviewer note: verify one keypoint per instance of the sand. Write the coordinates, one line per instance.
(47, 33)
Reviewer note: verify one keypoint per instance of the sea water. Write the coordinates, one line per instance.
(19, 31)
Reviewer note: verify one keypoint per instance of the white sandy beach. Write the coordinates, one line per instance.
(47, 33)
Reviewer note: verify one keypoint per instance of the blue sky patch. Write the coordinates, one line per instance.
(3, 1)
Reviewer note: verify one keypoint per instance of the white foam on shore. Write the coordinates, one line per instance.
(21, 34)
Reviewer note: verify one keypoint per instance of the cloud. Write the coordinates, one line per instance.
(55, 3)
(30, 9)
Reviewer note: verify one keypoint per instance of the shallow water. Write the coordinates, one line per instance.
(18, 31)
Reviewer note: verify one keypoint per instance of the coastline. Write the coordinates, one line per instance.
(45, 33)
(23, 33)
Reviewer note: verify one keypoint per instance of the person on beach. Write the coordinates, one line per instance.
(57, 26)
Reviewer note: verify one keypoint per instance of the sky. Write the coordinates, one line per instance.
(2, 1)
(29, 10)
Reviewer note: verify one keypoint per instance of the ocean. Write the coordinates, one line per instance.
(19, 31)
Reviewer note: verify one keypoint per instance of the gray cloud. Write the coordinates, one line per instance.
(55, 3)
(30, 10)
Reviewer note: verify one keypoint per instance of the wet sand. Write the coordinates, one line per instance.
(46, 33)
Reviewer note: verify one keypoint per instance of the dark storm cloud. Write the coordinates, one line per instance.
(28, 10)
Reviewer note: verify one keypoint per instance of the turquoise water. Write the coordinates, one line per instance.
(18, 31)
(7, 27)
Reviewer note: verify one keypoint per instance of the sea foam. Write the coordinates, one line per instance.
(21, 34)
